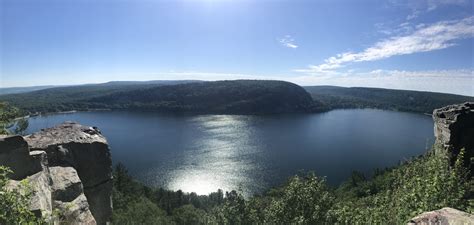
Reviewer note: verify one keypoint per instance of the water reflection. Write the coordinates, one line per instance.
(219, 160)
(203, 153)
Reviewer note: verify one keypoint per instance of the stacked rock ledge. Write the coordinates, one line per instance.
(454, 130)
(69, 168)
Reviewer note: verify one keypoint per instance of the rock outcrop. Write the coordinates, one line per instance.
(86, 150)
(15, 154)
(33, 166)
(444, 216)
(454, 129)
(69, 168)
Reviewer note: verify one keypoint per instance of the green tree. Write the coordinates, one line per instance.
(189, 215)
(140, 211)
(305, 200)
(7, 116)
(8, 124)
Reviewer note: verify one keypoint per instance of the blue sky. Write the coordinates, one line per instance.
(412, 44)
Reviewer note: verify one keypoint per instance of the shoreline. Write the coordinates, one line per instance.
(62, 112)
(197, 113)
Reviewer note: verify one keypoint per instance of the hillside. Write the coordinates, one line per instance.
(230, 97)
(75, 97)
(18, 90)
(399, 100)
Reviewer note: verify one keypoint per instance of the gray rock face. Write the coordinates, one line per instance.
(69, 197)
(75, 212)
(69, 169)
(15, 154)
(32, 166)
(454, 128)
(66, 183)
(86, 151)
(444, 216)
(40, 183)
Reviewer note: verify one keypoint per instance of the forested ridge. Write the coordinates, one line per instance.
(399, 100)
(228, 97)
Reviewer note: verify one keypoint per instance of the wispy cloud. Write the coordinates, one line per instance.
(420, 7)
(288, 41)
(434, 4)
(424, 38)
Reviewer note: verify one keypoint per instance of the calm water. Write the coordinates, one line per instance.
(252, 153)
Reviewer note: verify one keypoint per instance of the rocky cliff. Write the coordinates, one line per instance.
(69, 168)
(454, 130)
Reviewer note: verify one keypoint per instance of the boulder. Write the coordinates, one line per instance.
(32, 166)
(68, 196)
(86, 150)
(444, 216)
(66, 183)
(14, 153)
(75, 212)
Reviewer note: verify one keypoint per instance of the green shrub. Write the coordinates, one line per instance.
(13, 203)
(423, 184)
(392, 196)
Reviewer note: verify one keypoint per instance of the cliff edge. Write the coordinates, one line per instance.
(454, 130)
(69, 168)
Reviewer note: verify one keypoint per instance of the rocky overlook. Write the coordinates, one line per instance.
(454, 129)
(69, 168)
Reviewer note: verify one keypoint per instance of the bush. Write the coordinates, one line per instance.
(304, 200)
(423, 184)
(13, 203)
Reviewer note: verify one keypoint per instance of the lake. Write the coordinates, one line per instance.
(202, 153)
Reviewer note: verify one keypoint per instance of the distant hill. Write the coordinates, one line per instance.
(150, 82)
(335, 97)
(17, 90)
(75, 97)
(226, 97)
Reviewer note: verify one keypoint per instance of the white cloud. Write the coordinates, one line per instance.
(288, 41)
(414, 14)
(424, 39)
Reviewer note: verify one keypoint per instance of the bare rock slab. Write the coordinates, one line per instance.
(444, 216)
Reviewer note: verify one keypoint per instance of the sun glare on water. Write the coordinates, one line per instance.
(215, 162)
